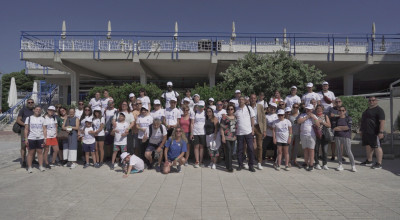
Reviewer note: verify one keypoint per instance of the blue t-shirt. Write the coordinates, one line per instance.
(175, 148)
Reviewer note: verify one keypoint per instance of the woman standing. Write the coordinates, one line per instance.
(323, 121)
(50, 122)
(144, 98)
(130, 119)
(174, 151)
(276, 98)
(184, 123)
(104, 101)
(62, 115)
(228, 135)
(282, 134)
(295, 142)
(212, 140)
(98, 127)
(142, 123)
(70, 146)
(198, 134)
(307, 136)
(35, 138)
(342, 130)
(96, 101)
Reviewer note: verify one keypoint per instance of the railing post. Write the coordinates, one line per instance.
(329, 48)
(216, 46)
(255, 44)
(333, 49)
(294, 44)
(372, 44)
(94, 48)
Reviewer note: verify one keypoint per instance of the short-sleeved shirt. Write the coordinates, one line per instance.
(24, 113)
(136, 162)
(51, 126)
(295, 125)
(306, 127)
(370, 120)
(168, 96)
(156, 135)
(282, 130)
(175, 148)
(35, 127)
(96, 125)
(347, 121)
(199, 120)
(243, 117)
(129, 118)
(104, 103)
(330, 95)
(88, 138)
(270, 121)
(191, 103)
(119, 130)
(172, 115)
(159, 114)
(229, 127)
(95, 103)
(143, 122)
(310, 96)
(219, 114)
(78, 113)
(290, 100)
(145, 100)
(109, 113)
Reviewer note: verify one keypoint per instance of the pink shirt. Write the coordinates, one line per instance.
(185, 124)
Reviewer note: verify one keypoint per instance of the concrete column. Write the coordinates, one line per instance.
(212, 70)
(74, 88)
(348, 84)
(64, 89)
(143, 77)
(211, 78)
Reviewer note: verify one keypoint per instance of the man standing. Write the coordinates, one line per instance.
(169, 94)
(24, 113)
(310, 95)
(172, 116)
(372, 126)
(293, 98)
(79, 110)
(220, 111)
(245, 133)
(327, 97)
(236, 99)
(261, 97)
(260, 127)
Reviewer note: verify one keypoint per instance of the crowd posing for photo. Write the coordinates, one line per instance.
(138, 135)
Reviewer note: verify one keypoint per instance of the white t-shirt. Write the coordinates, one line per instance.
(119, 130)
(136, 162)
(270, 122)
(96, 125)
(110, 113)
(143, 122)
(156, 136)
(310, 96)
(191, 103)
(168, 96)
(199, 122)
(88, 138)
(255, 113)
(263, 103)
(94, 103)
(172, 116)
(282, 130)
(104, 104)
(191, 113)
(51, 126)
(160, 113)
(243, 117)
(129, 118)
(290, 100)
(213, 107)
(35, 127)
(219, 114)
(330, 95)
(145, 100)
(306, 127)
(78, 113)
(235, 101)
(82, 124)
(274, 100)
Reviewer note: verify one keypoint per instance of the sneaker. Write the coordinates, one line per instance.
(23, 164)
(42, 169)
(66, 164)
(150, 167)
(186, 163)
(318, 167)
(307, 168)
(259, 166)
(73, 165)
(277, 168)
(343, 159)
(85, 166)
(48, 166)
(246, 166)
(202, 165)
(179, 169)
(332, 158)
(366, 163)
(339, 168)
(251, 169)
(158, 168)
(287, 168)
(325, 167)
(30, 170)
(115, 165)
(97, 165)
(353, 169)
(311, 168)
(52, 164)
(35, 162)
(210, 165)
(100, 164)
(213, 167)
(239, 168)
(196, 165)
(377, 166)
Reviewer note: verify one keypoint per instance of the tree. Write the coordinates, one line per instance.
(267, 73)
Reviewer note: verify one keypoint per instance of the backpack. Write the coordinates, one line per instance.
(151, 130)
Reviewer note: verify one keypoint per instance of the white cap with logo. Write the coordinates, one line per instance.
(51, 108)
(173, 99)
(288, 109)
(201, 103)
(169, 83)
(310, 107)
(186, 99)
(211, 99)
(310, 84)
(237, 91)
(281, 112)
(325, 83)
(123, 155)
(157, 102)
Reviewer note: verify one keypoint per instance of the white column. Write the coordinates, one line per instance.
(348, 84)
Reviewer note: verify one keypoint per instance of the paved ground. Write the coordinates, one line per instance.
(201, 193)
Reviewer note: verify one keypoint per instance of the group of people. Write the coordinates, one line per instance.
(249, 129)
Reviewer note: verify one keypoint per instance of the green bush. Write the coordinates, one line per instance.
(216, 92)
(355, 106)
(121, 93)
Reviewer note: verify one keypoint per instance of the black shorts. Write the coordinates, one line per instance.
(35, 144)
(279, 144)
(199, 139)
(100, 138)
(371, 140)
(169, 132)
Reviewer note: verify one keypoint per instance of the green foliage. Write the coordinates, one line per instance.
(267, 73)
(23, 82)
(121, 93)
(217, 92)
(355, 106)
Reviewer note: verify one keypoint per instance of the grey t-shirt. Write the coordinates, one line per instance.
(25, 113)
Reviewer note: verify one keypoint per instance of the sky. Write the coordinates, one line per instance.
(340, 16)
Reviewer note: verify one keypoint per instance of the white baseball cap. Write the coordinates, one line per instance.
(288, 109)
(145, 107)
(310, 107)
(169, 83)
(186, 99)
(237, 91)
(157, 102)
(173, 99)
(196, 95)
(123, 155)
(281, 112)
(310, 85)
(325, 83)
(97, 108)
(89, 119)
(293, 87)
(273, 105)
(232, 101)
(131, 95)
(51, 108)
(211, 99)
(202, 103)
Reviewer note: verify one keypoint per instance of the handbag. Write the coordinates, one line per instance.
(327, 133)
(16, 128)
(62, 135)
(317, 131)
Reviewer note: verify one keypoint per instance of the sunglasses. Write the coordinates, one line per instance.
(342, 110)
(231, 109)
(80, 103)
(295, 107)
(138, 103)
(186, 110)
(371, 100)
(30, 102)
(179, 131)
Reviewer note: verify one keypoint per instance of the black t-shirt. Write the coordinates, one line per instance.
(370, 120)
(25, 113)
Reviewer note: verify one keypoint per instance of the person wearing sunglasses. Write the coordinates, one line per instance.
(295, 142)
(228, 135)
(96, 101)
(372, 128)
(327, 97)
(174, 151)
(198, 134)
(23, 114)
(79, 110)
(333, 113)
(143, 121)
(282, 134)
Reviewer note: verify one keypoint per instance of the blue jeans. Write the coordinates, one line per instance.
(250, 149)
